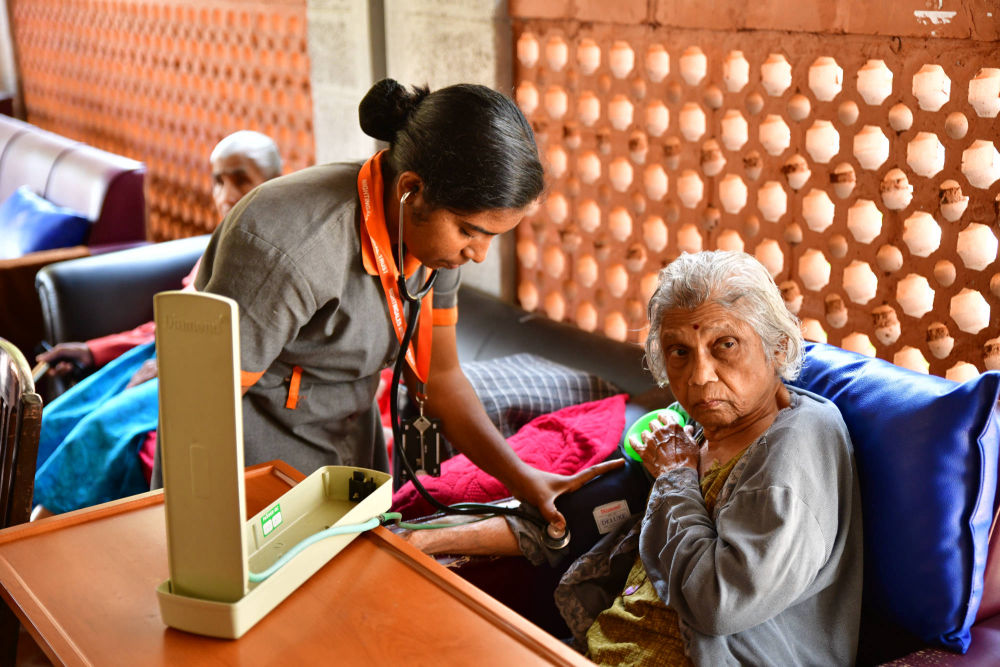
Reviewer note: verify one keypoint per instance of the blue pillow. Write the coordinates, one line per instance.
(29, 223)
(927, 450)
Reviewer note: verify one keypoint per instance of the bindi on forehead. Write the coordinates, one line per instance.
(682, 327)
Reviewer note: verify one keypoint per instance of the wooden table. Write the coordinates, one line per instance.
(83, 584)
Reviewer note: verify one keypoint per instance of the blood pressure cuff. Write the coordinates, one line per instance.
(592, 511)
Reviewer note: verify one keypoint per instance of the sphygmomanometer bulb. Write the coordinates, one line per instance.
(673, 412)
(554, 538)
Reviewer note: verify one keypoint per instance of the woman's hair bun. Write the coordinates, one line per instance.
(387, 107)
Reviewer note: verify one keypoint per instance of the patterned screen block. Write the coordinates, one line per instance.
(863, 172)
(162, 81)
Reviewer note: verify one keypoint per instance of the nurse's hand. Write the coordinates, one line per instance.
(540, 488)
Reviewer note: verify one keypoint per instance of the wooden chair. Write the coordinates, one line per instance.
(20, 423)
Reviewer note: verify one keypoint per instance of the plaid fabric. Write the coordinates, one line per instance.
(516, 389)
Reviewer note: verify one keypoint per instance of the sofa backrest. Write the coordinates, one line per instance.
(104, 187)
(9, 129)
(990, 604)
(490, 328)
(111, 292)
(28, 160)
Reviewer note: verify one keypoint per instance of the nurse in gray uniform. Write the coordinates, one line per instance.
(313, 259)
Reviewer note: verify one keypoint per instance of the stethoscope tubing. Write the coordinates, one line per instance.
(415, 301)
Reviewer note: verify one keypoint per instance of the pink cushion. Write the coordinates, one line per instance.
(563, 441)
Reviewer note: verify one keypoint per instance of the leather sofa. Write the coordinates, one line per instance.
(105, 188)
(103, 294)
(90, 296)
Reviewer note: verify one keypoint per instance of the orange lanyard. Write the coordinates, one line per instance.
(375, 235)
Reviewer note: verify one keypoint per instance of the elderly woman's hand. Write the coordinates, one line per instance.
(665, 447)
(62, 357)
(144, 373)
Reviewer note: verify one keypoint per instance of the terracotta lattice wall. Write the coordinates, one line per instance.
(162, 81)
(862, 170)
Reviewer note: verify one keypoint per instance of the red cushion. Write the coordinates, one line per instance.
(563, 441)
(383, 397)
(147, 452)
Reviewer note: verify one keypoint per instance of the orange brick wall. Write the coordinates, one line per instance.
(162, 81)
(862, 169)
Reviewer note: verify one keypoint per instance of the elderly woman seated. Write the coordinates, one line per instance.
(749, 551)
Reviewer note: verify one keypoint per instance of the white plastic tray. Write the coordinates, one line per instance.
(316, 503)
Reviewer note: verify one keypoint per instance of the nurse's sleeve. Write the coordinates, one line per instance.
(273, 296)
(446, 297)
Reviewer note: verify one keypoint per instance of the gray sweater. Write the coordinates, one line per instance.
(773, 576)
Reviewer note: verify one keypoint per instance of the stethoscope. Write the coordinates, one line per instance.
(415, 300)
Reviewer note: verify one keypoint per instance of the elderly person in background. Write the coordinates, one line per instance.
(88, 451)
(749, 551)
(241, 162)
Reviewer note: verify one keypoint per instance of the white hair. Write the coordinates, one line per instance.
(737, 282)
(256, 146)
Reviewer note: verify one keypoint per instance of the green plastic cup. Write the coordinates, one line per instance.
(642, 424)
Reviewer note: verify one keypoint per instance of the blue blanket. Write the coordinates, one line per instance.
(88, 452)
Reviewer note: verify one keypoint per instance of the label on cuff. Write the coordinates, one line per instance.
(611, 515)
